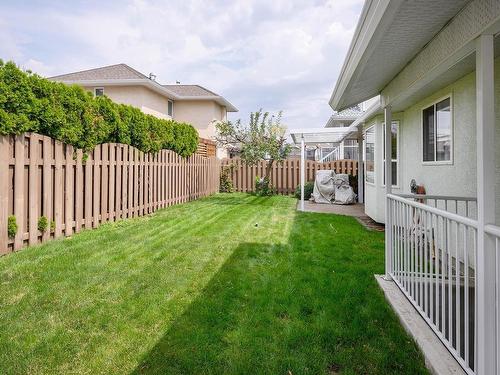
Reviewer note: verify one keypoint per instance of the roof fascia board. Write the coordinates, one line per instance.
(376, 16)
(124, 82)
(218, 99)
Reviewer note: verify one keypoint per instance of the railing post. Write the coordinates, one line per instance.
(485, 277)
(388, 190)
(360, 171)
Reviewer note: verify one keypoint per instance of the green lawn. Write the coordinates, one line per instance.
(231, 284)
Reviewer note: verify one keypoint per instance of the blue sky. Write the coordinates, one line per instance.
(272, 54)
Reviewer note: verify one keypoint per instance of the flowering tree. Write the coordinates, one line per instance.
(263, 138)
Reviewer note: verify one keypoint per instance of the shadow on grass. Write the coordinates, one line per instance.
(310, 306)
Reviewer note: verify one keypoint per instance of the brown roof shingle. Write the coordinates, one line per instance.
(190, 90)
(118, 71)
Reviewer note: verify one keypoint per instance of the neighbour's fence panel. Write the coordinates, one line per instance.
(42, 177)
(285, 177)
(433, 257)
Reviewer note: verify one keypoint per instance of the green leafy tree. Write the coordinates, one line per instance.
(262, 139)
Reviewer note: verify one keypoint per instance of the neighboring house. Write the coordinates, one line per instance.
(193, 104)
(348, 148)
(435, 66)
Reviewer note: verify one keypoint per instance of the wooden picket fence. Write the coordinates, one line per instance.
(284, 177)
(43, 177)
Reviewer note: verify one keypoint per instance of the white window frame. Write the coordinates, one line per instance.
(168, 114)
(452, 129)
(98, 88)
(398, 179)
(353, 148)
(374, 156)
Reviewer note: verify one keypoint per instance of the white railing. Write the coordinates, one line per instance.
(463, 206)
(332, 155)
(494, 232)
(433, 261)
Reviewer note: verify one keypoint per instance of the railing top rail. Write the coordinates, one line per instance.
(434, 210)
(492, 229)
(438, 197)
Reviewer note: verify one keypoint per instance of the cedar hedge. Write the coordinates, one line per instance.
(30, 103)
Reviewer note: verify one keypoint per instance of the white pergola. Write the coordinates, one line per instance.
(319, 136)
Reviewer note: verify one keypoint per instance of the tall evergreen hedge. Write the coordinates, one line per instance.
(30, 103)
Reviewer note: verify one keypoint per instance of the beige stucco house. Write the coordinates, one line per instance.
(193, 104)
(434, 65)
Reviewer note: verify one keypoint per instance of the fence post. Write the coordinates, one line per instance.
(4, 198)
(19, 195)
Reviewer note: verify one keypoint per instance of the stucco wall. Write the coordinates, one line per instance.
(200, 114)
(457, 178)
(141, 97)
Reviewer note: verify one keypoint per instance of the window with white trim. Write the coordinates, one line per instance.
(351, 149)
(170, 109)
(370, 155)
(98, 91)
(437, 132)
(394, 152)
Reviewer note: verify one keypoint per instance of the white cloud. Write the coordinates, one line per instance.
(278, 54)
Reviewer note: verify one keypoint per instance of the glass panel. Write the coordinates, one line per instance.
(394, 152)
(370, 155)
(99, 92)
(394, 173)
(351, 149)
(443, 130)
(394, 141)
(170, 107)
(428, 134)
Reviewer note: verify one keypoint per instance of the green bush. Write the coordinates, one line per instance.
(263, 187)
(43, 224)
(11, 226)
(226, 182)
(308, 190)
(30, 103)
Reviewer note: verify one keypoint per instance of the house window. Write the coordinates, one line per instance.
(370, 155)
(394, 152)
(170, 110)
(351, 149)
(99, 91)
(437, 132)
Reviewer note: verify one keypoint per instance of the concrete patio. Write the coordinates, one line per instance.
(356, 210)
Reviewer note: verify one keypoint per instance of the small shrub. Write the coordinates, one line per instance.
(263, 186)
(52, 225)
(308, 190)
(226, 182)
(43, 224)
(11, 226)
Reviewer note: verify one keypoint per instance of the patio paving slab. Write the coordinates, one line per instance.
(356, 210)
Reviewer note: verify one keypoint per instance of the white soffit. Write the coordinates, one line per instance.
(389, 34)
